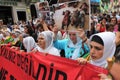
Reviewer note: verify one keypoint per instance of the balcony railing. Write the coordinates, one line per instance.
(8, 2)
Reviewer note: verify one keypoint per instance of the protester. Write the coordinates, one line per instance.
(39, 28)
(110, 27)
(45, 43)
(6, 36)
(115, 69)
(15, 35)
(114, 22)
(101, 27)
(117, 40)
(29, 43)
(28, 30)
(19, 44)
(114, 72)
(15, 26)
(102, 47)
(73, 46)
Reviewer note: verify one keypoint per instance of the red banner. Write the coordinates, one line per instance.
(15, 65)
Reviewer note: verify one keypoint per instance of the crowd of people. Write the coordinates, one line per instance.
(100, 46)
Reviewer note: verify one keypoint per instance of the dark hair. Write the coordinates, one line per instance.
(114, 18)
(39, 25)
(108, 18)
(119, 27)
(97, 39)
(30, 30)
(103, 18)
(109, 25)
(117, 57)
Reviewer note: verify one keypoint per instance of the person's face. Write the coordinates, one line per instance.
(113, 14)
(40, 29)
(73, 37)
(42, 42)
(115, 71)
(21, 38)
(25, 29)
(96, 51)
(113, 21)
(104, 21)
(15, 27)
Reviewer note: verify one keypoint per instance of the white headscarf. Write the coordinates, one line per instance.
(29, 43)
(48, 35)
(76, 46)
(109, 48)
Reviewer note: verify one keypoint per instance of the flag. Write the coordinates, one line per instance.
(106, 7)
(101, 6)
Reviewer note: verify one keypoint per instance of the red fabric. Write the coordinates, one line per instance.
(37, 66)
(102, 29)
(62, 31)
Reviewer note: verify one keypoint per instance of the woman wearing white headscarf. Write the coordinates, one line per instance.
(102, 47)
(73, 46)
(29, 43)
(45, 43)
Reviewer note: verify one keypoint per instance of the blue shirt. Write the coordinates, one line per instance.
(69, 51)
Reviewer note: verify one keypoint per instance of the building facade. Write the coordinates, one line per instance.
(11, 11)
